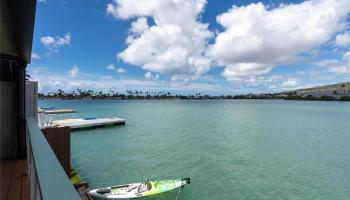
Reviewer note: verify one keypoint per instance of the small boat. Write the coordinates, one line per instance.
(138, 190)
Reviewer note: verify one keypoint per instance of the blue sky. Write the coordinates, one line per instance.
(189, 46)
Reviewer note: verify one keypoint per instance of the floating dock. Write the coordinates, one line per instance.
(59, 111)
(51, 110)
(86, 123)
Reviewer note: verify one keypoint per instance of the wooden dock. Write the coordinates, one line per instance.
(86, 123)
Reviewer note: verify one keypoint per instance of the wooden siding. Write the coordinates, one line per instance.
(59, 140)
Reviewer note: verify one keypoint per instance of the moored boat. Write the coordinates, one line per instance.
(137, 190)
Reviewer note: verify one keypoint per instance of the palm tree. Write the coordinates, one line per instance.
(343, 86)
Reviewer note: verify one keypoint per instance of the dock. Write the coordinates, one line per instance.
(59, 111)
(86, 123)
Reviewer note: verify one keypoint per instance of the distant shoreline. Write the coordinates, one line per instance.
(211, 98)
(333, 92)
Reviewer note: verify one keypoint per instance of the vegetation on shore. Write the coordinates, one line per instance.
(129, 94)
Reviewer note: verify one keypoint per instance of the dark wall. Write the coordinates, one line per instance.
(12, 113)
(17, 29)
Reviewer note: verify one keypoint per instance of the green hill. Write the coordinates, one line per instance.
(326, 92)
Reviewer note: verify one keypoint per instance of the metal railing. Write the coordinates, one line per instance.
(48, 180)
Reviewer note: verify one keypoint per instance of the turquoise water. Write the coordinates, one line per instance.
(231, 149)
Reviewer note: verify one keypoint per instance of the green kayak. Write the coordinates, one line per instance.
(137, 190)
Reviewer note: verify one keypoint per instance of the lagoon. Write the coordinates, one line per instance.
(231, 149)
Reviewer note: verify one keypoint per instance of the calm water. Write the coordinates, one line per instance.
(234, 149)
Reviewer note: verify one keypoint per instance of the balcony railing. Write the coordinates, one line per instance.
(48, 180)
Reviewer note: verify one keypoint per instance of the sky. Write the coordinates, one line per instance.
(190, 46)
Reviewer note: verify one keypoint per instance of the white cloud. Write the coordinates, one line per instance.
(52, 81)
(110, 67)
(262, 37)
(242, 71)
(35, 56)
(342, 66)
(121, 70)
(343, 40)
(174, 45)
(290, 83)
(329, 70)
(73, 73)
(168, 37)
(47, 40)
(148, 75)
(139, 26)
(340, 69)
(53, 44)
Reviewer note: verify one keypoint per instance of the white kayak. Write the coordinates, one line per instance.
(137, 190)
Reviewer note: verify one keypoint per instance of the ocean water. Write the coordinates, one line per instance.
(231, 149)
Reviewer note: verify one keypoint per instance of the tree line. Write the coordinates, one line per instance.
(136, 94)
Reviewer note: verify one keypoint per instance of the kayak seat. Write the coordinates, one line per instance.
(103, 191)
(143, 188)
(149, 186)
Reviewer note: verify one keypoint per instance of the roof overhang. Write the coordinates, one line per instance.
(16, 28)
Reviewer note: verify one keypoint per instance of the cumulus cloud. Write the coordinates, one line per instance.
(175, 44)
(52, 81)
(139, 26)
(257, 38)
(54, 44)
(168, 37)
(242, 71)
(150, 77)
(342, 66)
(290, 83)
(73, 73)
(343, 40)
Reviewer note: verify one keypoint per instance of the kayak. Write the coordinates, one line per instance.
(138, 190)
